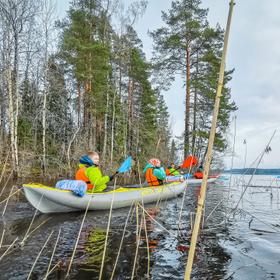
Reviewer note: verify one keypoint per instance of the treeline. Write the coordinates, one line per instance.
(250, 171)
(84, 83)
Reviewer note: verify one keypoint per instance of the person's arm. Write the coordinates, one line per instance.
(159, 173)
(174, 172)
(95, 176)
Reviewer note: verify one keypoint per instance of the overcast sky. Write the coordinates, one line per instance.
(254, 52)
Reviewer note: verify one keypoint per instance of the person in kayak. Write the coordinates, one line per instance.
(199, 173)
(171, 170)
(155, 174)
(90, 173)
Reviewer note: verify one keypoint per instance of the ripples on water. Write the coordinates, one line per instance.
(246, 247)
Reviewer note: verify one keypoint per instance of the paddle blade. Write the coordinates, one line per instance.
(126, 165)
(189, 162)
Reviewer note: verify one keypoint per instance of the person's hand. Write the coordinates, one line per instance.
(113, 176)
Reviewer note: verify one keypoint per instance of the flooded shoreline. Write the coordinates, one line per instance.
(244, 247)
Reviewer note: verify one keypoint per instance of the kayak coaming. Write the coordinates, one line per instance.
(49, 200)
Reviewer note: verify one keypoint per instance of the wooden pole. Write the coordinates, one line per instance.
(201, 200)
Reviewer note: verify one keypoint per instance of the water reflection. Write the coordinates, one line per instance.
(231, 250)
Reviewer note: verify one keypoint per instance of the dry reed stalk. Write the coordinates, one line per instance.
(138, 232)
(107, 233)
(165, 229)
(78, 238)
(121, 243)
(38, 256)
(2, 238)
(31, 223)
(53, 268)
(4, 167)
(55, 245)
(2, 191)
(8, 249)
(147, 244)
(5, 207)
(42, 223)
(7, 198)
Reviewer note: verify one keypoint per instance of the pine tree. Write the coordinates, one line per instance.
(84, 49)
(189, 46)
(175, 46)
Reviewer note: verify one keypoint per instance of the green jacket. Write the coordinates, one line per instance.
(173, 172)
(96, 178)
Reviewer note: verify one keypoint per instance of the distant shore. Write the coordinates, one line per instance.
(259, 171)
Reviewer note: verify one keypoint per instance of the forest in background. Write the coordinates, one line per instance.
(83, 83)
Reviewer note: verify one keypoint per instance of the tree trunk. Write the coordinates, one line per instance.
(194, 113)
(44, 130)
(187, 108)
(9, 83)
(16, 100)
(130, 115)
(105, 125)
(113, 129)
(79, 104)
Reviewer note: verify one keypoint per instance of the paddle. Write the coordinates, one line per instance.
(125, 166)
(187, 163)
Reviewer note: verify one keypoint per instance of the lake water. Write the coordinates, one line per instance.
(237, 242)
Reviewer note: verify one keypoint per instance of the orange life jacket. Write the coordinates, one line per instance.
(81, 175)
(152, 180)
(198, 175)
(167, 172)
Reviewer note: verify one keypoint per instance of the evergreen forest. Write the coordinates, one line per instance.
(83, 82)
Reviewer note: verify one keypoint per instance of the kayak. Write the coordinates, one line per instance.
(51, 200)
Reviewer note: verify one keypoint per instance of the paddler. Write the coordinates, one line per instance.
(172, 170)
(199, 173)
(90, 173)
(154, 173)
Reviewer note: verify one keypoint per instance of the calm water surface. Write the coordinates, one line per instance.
(245, 245)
